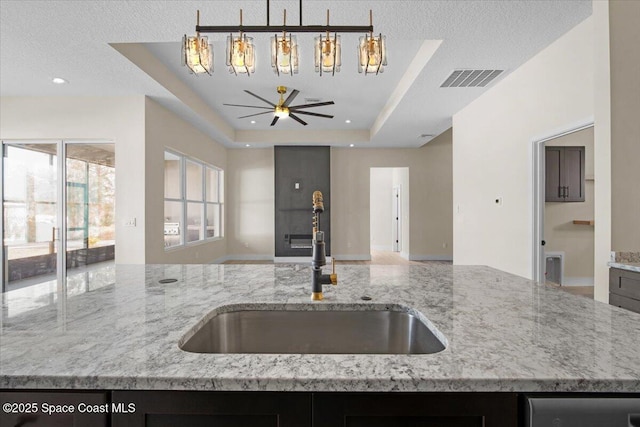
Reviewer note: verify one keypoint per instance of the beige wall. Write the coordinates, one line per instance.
(166, 130)
(250, 200)
(120, 119)
(492, 150)
(430, 200)
(576, 241)
(624, 18)
(250, 203)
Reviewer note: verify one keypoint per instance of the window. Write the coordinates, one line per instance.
(193, 197)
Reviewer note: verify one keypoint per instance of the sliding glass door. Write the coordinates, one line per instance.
(58, 215)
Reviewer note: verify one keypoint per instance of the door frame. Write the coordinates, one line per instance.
(396, 223)
(538, 148)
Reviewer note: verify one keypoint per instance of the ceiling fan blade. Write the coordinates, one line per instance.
(290, 98)
(260, 98)
(317, 104)
(297, 119)
(275, 119)
(248, 106)
(251, 115)
(314, 114)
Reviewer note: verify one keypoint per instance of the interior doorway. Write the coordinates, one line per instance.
(58, 211)
(389, 211)
(564, 238)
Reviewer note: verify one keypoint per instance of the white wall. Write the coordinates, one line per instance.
(602, 150)
(166, 130)
(381, 196)
(120, 119)
(492, 149)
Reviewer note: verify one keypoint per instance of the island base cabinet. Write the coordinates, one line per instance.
(219, 409)
(415, 410)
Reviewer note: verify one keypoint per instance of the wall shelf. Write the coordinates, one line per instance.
(583, 221)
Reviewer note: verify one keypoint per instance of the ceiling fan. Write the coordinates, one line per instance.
(283, 109)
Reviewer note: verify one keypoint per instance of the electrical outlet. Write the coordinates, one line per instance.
(131, 222)
(444, 245)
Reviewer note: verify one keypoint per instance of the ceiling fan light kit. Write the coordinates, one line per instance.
(372, 52)
(283, 108)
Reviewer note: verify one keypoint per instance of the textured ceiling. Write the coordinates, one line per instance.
(132, 47)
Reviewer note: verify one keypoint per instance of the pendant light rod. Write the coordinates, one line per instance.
(292, 29)
(288, 28)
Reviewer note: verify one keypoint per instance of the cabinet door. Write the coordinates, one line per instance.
(564, 174)
(415, 409)
(553, 174)
(574, 174)
(219, 409)
(53, 409)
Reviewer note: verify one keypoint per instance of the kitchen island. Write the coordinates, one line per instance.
(503, 333)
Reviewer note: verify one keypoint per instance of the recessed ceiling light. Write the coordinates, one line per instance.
(247, 145)
(352, 145)
(59, 80)
(253, 122)
(347, 121)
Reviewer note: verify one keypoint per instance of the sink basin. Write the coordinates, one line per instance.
(381, 330)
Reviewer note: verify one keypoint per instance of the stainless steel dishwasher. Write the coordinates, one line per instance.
(582, 411)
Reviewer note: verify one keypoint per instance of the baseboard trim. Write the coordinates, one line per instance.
(577, 281)
(252, 257)
(294, 259)
(382, 248)
(430, 257)
(361, 257)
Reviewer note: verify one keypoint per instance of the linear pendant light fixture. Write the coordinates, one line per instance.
(241, 56)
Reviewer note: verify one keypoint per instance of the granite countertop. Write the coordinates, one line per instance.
(630, 266)
(119, 329)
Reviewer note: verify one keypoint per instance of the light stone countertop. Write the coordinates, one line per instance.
(630, 266)
(118, 328)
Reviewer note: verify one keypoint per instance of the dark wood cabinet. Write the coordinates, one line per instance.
(564, 170)
(415, 409)
(624, 289)
(54, 409)
(219, 409)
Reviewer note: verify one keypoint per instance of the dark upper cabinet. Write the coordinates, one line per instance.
(564, 168)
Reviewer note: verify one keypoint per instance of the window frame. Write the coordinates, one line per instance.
(203, 202)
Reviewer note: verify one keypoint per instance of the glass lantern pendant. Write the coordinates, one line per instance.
(240, 54)
(284, 54)
(327, 54)
(372, 54)
(197, 55)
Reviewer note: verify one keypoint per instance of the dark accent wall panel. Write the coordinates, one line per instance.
(310, 169)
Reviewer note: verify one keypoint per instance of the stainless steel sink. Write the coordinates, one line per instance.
(379, 331)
